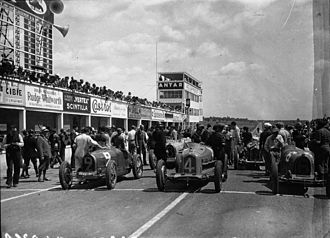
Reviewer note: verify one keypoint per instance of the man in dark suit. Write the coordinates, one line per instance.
(13, 143)
(44, 152)
(141, 143)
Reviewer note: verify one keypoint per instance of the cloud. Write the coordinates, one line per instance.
(211, 49)
(173, 34)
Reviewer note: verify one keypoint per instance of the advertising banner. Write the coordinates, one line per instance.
(100, 106)
(38, 8)
(76, 102)
(118, 110)
(177, 117)
(134, 112)
(158, 114)
(170, 85)
(45, 98)
(12, 93)
(145, 113)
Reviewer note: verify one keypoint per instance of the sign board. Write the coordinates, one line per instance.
(38, 8)
(158, 114)
(134, 112)
(145, 113)
(12, 93)
(170, 85)
(118, 110)
(73, 102)
(100, 106)
(45, 98)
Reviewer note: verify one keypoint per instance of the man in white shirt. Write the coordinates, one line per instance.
(83, 143)
(131, 139)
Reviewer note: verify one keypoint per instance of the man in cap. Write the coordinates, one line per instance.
(263, 153)
(160, 142)
(30, 153)
(284, 133)
(13, 142)
(44, 152)
(273, 145)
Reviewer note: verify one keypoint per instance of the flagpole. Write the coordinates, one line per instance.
(156, 71)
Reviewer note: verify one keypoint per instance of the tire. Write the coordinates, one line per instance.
(65, 175)
(137, 166)
(152, 159)
(111, 175)
(274, 181)
(161, 175)
(218, 176)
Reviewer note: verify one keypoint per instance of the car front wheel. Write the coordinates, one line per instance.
(65, 175)
(111, 175)
(152, 159)
(161, 175)
(218, 176)
(137, 166)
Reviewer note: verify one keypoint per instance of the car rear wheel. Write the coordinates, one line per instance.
(161, 175)
(152, 159)
(111, 175)
(137, 166)
(218, 176)
(274, 181)
(65, 175)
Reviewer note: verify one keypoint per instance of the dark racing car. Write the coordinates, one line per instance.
(296, 167)
(108, 164)
(187, 161)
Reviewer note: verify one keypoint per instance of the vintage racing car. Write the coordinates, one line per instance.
(250, 156)
(296, 167)
(103, 163)
(191, 161)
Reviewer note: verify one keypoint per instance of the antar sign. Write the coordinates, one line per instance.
(170, 85)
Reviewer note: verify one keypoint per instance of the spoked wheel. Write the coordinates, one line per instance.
(111, 175)
(152, 159)
(137, 166)
(218, 176)
(161, 175)
(274, 181)
(65, 174)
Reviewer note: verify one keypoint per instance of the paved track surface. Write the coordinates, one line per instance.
(244, 208)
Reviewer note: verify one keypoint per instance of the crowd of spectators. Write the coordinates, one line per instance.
(7, 69)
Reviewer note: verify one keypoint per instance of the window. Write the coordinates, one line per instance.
(170, 94)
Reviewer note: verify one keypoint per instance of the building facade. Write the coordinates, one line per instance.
(182, 92)
(26, 34)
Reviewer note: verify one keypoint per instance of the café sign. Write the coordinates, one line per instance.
(12, 93)
(76, 102)
(100, 106)
(45, 98)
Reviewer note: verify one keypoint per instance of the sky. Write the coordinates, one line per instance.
(254, 57)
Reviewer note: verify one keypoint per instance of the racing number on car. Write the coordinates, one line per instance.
(189, 165)
(106, 155)
(89, 162)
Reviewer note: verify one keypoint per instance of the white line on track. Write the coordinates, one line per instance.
(156, 218)
(27, 194)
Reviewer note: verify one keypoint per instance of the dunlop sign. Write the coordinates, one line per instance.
(100, 106)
